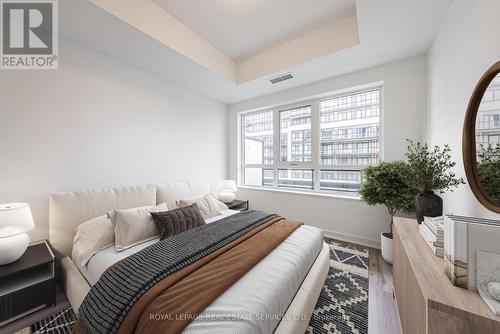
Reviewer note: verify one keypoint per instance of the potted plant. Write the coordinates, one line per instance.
(429, 171)
(385, 184)
(488, 170)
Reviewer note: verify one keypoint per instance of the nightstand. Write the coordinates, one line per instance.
(238, 205)
(28, 284)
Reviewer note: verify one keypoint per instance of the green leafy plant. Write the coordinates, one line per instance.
(488, 170)
(429, 170)
(385, 184)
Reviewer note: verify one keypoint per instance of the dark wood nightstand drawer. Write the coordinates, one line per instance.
(27, 284)
(30, 298)
(238, 205)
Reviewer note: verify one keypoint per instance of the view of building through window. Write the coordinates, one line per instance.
(295, 133)
(349, 136)
(257, 131)
(488, 117)
(347, 140)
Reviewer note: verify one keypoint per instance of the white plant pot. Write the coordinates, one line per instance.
(386, 246)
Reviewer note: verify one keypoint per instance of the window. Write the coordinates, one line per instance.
(295, 132)
(295, 178)
(324, 144)
(257, 131)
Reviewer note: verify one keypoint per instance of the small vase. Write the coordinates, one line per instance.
(428, 204)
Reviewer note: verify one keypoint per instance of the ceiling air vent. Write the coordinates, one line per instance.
(281, 78)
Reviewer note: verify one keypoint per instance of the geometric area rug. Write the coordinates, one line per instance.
(342, 306)
(59, 323)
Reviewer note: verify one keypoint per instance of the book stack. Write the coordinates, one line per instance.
(464, 237)
(432, 231)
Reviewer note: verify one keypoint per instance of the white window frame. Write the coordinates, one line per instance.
(314, 164)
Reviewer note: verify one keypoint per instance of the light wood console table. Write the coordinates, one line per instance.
(427, 301)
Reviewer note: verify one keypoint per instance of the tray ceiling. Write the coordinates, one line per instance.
(155, 41)
(244, 28)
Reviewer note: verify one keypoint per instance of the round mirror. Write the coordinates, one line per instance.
(481, 140)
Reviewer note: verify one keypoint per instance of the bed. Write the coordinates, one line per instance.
(286, 282)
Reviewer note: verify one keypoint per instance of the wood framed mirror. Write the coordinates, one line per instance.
(481, 140)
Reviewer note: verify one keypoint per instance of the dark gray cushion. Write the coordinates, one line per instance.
(176, 221)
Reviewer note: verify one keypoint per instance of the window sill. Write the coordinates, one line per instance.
(306, 193)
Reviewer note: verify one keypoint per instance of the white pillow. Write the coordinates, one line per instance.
(172, 205)
(134, 226)
(221, 205)
(177, 204)
(90, 238)
(207, 204)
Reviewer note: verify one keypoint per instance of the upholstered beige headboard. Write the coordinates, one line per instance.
(69, 209)
(174, 191)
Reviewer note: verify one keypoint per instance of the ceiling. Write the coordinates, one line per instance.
(244, 28)
(389, 30)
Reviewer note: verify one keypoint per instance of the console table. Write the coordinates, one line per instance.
(427, 301)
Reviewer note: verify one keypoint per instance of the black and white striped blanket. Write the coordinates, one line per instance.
(112, 297)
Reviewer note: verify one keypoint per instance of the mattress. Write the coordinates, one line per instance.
(256, 302)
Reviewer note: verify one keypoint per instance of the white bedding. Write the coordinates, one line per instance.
(109, 256)
(254, 303)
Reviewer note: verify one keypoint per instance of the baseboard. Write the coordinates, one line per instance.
(352, 238)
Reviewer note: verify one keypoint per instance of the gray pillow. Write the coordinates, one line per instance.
(177, 221)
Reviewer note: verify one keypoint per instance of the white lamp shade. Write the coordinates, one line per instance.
(226, 185)
(15, 218)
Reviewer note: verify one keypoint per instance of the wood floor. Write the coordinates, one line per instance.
(383, 316)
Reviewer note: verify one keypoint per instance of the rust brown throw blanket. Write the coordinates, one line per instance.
(174, 301)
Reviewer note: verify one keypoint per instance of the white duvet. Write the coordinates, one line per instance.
(253, 304)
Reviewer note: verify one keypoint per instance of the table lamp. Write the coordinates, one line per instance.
(15, 221)
(226, 190)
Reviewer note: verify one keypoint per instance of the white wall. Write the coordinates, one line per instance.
(464, 48)
(403, 117)
(97, 122)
